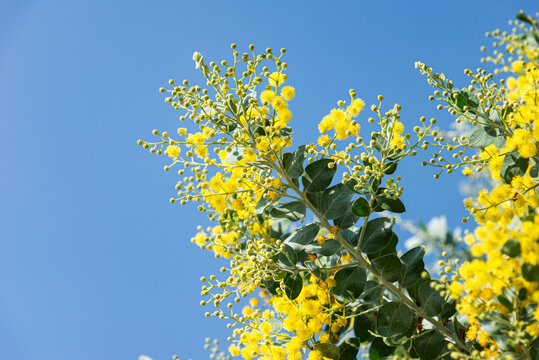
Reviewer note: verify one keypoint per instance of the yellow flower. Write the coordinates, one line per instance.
(324, 140)
(288, 93)
(276, 79)
(233, 350)
(173, 151)
(355, 108)
(326, 124)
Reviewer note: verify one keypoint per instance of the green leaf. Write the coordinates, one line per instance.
(346, 220)
(302, 237)
(263, 203)
(351, 235)
(429, 345)
(350, 284)
(379, 349)
(466, 98)
(328, 350)
(362, 325)
(348, 349)
(330, 247)
(530, 272)
(448, 309)
(388, 266)
(391, 167)
(377, 234)
(360, 207)
(294, 163)
(429, 299)
(318, 176)
(390, 248)
(505, 302)
(372, 293)
(288, 257)
(293, 286)
(335, 201)
(278, 227)
(292, 211)
(513, 165)
(380, 141)
(511, 248)
(413, 266)
(534, 170)
(482, 137)
(315, 198)
(526, 18)
(386, 202)
(394, 318)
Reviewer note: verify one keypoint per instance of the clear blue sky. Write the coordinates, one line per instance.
(94, 261)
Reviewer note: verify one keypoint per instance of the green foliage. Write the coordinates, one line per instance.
(318, 175)
(350, 284)
(394, 318)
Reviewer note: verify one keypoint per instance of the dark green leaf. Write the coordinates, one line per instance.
(386, 202)
(318, 175)
(377, 234)
(534, 170)
(346, 220)
(482, 137)
(294, 162)
(362, 325)
(351, 235)
(293, 286)
(388, 266)
(292, 211)
(530, 272)
(372, 293)
(335, 201)
(448, 309)
(379, 349)
(511, 248)
(348, 349)
(465, 98)
(394, 318)
(328, 350)
(390, 248)
(330, 247)
(429, 345)
(413, 266)
(303, 236)
(430, 300)
(288, 257)
(360, 207)
(350, 284)
(505, 302)
(315, 198)
(526, 18)
(513, 165)
(390, 168)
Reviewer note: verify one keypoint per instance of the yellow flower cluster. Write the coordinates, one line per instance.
(303, 320)
(506, 240)
(340, 121)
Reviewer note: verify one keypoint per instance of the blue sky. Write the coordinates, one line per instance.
(95, 263)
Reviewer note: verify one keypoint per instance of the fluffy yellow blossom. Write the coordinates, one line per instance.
(288, 93)
(173, 151)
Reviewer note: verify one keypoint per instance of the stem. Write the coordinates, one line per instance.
(365, 264)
